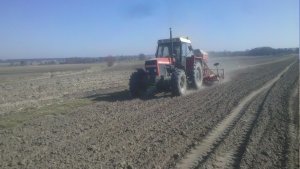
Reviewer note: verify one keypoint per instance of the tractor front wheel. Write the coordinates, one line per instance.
(178, 82)
(137, 84)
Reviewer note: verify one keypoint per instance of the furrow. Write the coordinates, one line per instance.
(208, 144)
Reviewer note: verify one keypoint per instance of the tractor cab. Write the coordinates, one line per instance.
(181, 48)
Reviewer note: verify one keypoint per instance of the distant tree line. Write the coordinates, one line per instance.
(260, 51)
(110, 60)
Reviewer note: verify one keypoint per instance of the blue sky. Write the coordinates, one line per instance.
(92, 28)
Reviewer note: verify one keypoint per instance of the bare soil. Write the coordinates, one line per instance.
(35, 86)
(111, 130)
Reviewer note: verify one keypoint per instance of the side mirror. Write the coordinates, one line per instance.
(190, 48)
(217, 64)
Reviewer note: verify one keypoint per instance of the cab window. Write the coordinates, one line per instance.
(186, 50)
(163, 51)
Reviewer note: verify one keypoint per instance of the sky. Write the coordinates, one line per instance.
(93, 28)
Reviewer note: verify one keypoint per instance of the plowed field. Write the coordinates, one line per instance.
(249, 121)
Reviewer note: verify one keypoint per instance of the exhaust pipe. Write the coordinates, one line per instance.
(171, 39)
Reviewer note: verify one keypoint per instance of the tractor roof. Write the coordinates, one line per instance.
(179, 39)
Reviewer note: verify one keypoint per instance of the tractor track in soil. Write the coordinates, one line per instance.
(293, 149)
(118, 132)
(213, 139)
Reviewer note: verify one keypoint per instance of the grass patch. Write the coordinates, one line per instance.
(13, 119)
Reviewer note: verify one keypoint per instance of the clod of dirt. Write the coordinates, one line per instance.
(176, 156)
(264, 153)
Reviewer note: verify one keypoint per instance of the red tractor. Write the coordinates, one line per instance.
(177, 71)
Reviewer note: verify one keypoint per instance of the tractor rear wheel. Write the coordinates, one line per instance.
(137, 84)
(197, 76)
(178, 82)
